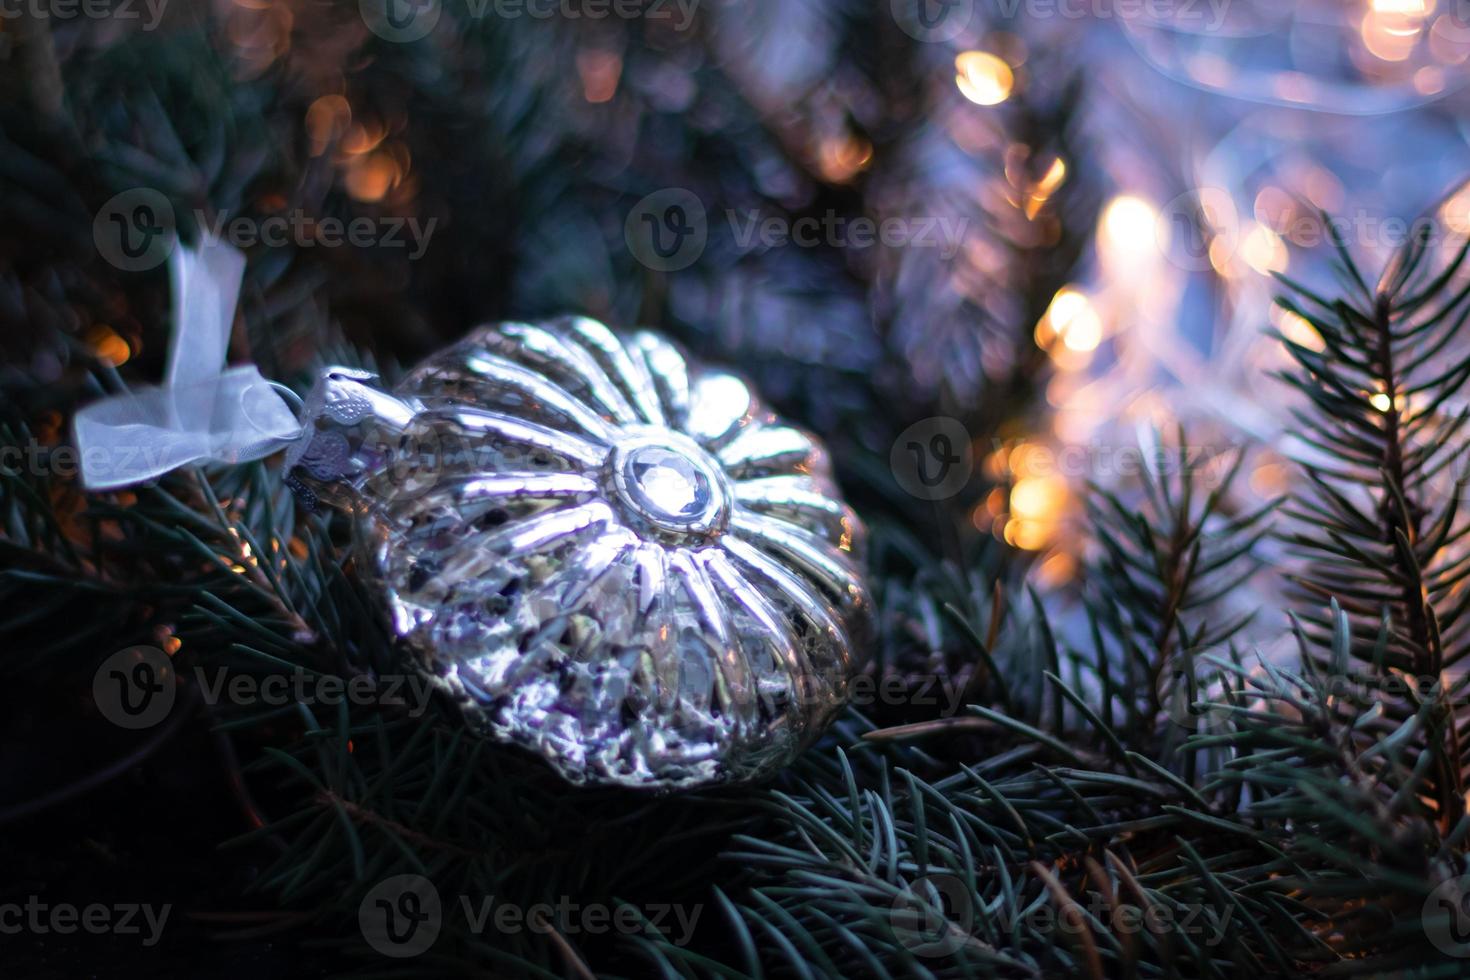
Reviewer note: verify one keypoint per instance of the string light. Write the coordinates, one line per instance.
(1429, 80)
(1071, 319)
(1056, 570)
(326, 122)
(1391, 28)
(1296, 328)
(1036, 508)
(600, 71)
(1455, 212)
(983, 78)
(842, 157)
(369, 178)
(108, 345)
(1271, 479)
(1044, 188)
(1263, 250)
(363, 137)
(1130, 232)
(1037, 500)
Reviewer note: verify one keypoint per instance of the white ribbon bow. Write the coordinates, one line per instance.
(203, 411)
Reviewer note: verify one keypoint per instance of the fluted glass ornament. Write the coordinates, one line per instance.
(607, 553)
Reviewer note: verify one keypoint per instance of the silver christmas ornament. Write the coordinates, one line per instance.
(605, 552)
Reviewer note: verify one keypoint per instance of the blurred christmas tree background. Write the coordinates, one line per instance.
(1168, 680)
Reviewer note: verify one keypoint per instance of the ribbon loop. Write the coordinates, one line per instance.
(203, 411)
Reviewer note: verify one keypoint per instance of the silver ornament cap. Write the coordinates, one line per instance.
(606, 552)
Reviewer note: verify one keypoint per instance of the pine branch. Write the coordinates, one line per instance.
(1051, 806)
(1160, 570)
(1384, 527)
